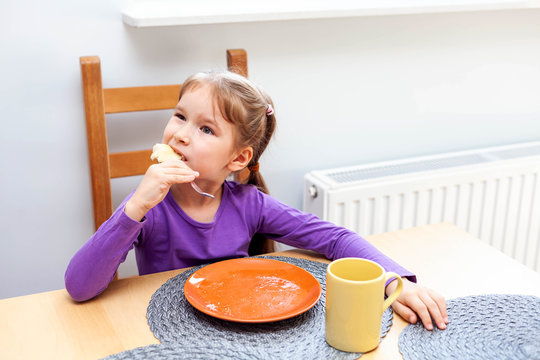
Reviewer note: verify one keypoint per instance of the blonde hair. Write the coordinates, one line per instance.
(245, 105)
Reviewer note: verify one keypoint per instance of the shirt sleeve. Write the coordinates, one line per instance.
(94, 265)
(302, 230)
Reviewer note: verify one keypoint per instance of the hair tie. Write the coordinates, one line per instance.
(254, 168)
(269, 110)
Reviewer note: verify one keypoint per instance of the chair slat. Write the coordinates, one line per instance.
(129, 163)
(142, 98)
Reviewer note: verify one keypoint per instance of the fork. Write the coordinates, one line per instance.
(198, 189)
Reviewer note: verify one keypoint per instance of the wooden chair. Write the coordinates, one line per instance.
(98, 102)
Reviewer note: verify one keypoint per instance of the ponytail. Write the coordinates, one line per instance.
(251, 175)
(255, 178)
(260, 244)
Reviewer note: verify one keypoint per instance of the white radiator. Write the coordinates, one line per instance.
(493, 193)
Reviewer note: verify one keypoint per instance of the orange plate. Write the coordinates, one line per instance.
(252, 290)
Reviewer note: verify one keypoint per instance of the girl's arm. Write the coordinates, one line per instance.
(298, 229)
(306, 231)
(94, 265)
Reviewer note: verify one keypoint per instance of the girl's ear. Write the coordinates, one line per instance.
(241, 160)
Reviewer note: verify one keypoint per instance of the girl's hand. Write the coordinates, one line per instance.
(417, 301)
(155, 185)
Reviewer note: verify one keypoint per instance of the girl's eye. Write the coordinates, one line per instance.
(207, 130)
(180, 116)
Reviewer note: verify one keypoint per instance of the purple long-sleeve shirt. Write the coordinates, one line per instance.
(169, 239)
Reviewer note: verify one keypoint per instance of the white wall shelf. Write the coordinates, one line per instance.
(149, 13)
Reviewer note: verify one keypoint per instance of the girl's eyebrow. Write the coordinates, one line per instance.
(207, 119)
(212, 121)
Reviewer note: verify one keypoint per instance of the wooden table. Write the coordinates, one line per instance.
(50, 325)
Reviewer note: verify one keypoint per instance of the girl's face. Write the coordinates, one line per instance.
(203, 137)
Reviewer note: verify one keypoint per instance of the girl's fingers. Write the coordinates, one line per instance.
(181, 172)
(405, 312)
(177, 179)
(172, 172)
(433, 309)
(174, 164)
(422, 311)
(441, 303)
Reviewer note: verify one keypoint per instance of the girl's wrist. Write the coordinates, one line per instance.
(134, 212)
(391, 286)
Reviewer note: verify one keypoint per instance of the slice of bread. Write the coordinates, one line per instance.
(162, 152)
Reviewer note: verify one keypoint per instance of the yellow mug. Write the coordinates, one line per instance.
(355, 303)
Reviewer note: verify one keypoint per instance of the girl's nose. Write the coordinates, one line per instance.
(182, 135)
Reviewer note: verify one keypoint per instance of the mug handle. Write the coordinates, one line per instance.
(392, 297)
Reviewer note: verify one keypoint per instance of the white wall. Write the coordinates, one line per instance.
(347, 91)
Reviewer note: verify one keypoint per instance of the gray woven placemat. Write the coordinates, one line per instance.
(187, 352)
(180, 327)
(481, 327)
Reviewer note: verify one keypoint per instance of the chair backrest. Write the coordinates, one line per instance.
(98, 102)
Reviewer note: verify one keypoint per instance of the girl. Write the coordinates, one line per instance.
(221, 125)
